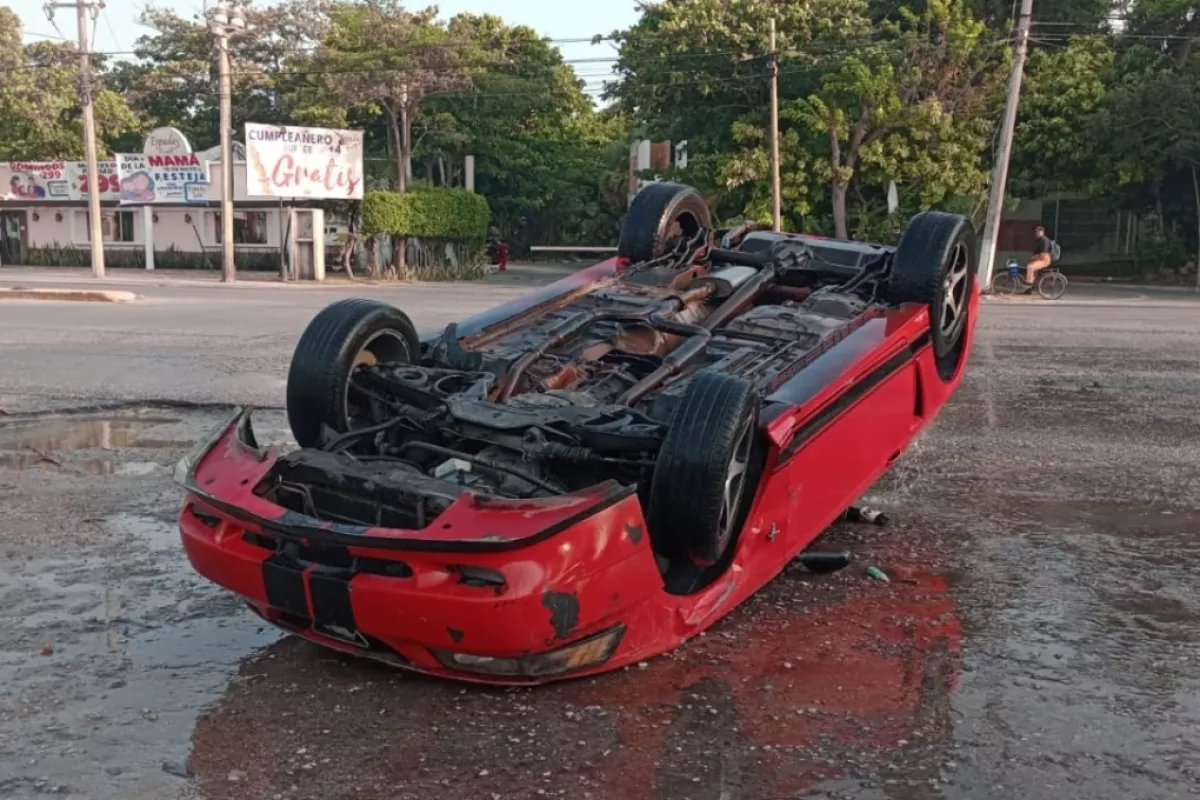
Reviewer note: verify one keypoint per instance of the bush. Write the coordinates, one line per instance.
(56, 255)
(436, 213)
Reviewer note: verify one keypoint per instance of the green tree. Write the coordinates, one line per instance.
(910, 106)
(697, 71)
(544, 157)
(40, 103)
(1055, 147)
(867, 97)
(174, 78)
(380, 54)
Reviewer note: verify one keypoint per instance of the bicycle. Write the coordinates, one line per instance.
(1050, 283)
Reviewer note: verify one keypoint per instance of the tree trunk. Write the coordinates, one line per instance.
(348, 248)
(373, 257)
(395, 149)
(838, 197)
(837, 188)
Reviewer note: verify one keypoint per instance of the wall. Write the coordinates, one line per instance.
(191, 230)
(65, 225)
(1090, 231)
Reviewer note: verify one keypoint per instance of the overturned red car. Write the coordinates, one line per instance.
(587, 476)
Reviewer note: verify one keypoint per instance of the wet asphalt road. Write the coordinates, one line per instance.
(1038, 638)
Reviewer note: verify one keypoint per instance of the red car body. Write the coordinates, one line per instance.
(572, 579)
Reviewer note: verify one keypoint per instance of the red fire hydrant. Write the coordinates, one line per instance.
(502, 255)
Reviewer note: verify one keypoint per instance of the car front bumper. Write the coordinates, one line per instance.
(498, 609)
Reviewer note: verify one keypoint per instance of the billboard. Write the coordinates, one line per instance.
(56, 181)
(310, 163)
(179, 178)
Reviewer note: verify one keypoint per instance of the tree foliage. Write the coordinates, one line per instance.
(40, 101)
(865, 99)
(172, 80)
(380, 54)
(1056, 151)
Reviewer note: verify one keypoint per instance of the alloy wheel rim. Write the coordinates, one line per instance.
(735, 484)
(954, 292)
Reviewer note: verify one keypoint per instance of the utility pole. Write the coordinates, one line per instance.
(995, 209)
(95, 223)
(226, 18)
(776, 201)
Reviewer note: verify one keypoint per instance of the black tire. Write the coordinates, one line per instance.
(1003, 283)
(714, 424)
(660, 212)
(1051, 285)
(341, 335)
(934, 248)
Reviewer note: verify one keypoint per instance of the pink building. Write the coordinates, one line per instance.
(44, 216)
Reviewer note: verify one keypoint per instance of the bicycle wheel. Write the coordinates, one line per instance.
(1003, 283)
(1052, 286)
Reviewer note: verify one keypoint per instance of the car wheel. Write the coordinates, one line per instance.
(342, 337)
(935, 264)
(701, 484)
(660, 212)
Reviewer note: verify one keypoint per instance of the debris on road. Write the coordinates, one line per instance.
(870, 516)
(823, 562)
(878, 574)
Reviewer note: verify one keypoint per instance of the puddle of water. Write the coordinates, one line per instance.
(92, 466)
(73, 434)
(47, 445)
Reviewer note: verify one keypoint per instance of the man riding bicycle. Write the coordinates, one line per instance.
(1043, 256)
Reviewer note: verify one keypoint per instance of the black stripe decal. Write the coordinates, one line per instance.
(330, 590)
(283, 578)
(834, 409)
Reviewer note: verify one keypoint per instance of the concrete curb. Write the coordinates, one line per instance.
(79, 295)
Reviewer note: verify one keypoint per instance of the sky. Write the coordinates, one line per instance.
(116, 30)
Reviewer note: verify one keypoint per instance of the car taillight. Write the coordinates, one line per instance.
(585, 653)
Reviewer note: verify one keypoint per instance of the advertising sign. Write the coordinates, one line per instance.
(107, 180)
(38, 180)
(313, 163)
(57, 181)
(166, 142)
(179, 178)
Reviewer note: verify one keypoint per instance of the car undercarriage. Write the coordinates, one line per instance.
(654, 377)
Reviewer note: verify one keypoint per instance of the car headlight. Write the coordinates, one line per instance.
(585, 653)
